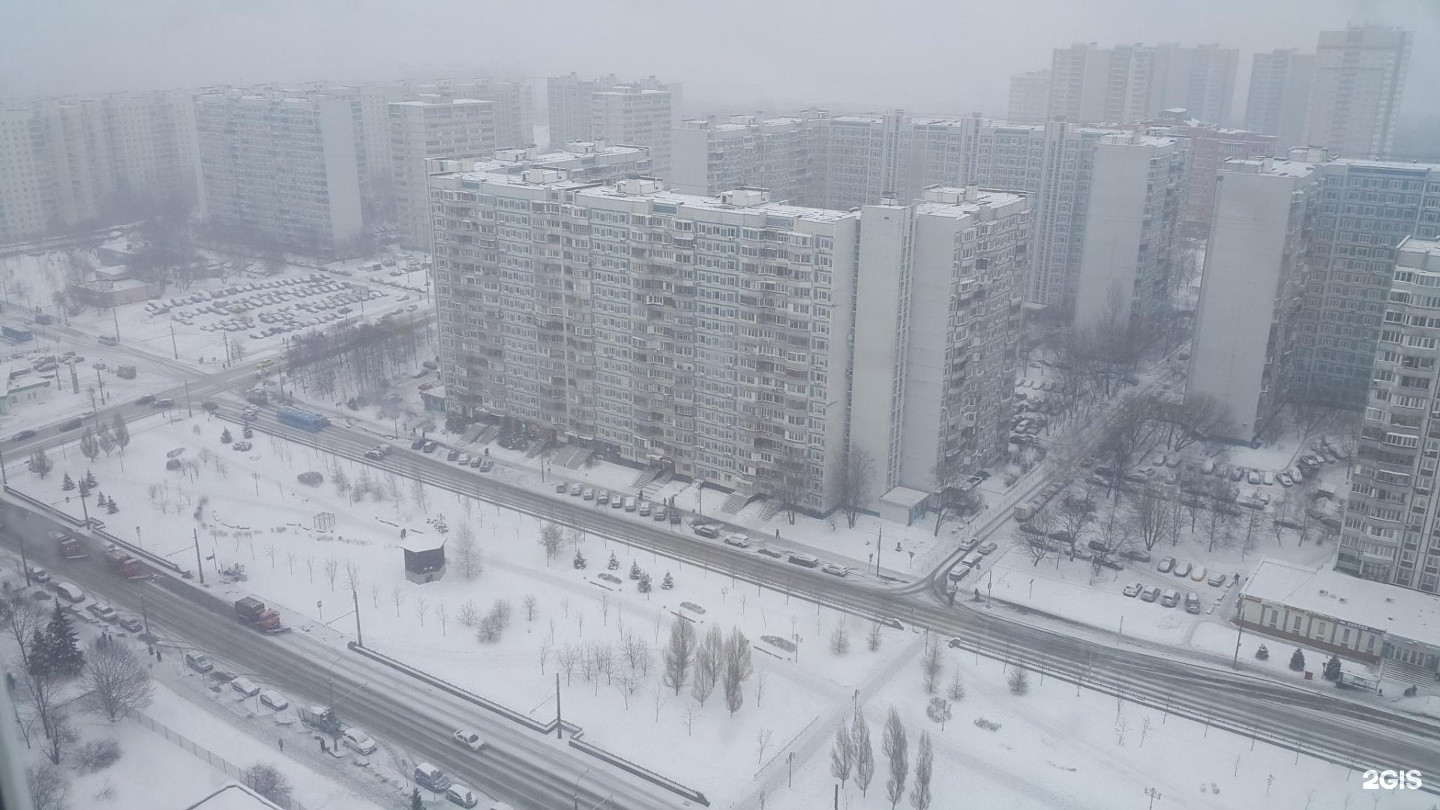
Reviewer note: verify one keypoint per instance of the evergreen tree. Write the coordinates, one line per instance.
(63, 644)
(110, 507)
(1297, 661)
(90, 482)
(67, 484)
(247, 432)
(579, 561)
(40, 658)
(1262, 653)
(644, 584)
(1332, 668)
(225, 437)
(614, 563)
(668, 582)
(416, 803)
(635, 571)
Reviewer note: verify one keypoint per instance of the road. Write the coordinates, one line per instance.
(1331, 727)
(518, 767)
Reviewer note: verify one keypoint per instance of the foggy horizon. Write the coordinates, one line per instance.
(852, 58)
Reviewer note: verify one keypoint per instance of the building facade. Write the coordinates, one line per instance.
(1247, 319)
(1367, 207)
(1128, 83)
(1390, 532)
(710, 156)
(281, 170)
(606, 109)
(1356, 89)
(1210, 148)
(1029, 98)
(1278, 97)
(432, 128)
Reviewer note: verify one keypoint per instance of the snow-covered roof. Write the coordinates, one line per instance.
(904, 496)
(1402, 612)
(233, 796)
(417, 543)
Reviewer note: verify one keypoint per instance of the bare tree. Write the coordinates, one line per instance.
(738, 668)
(1217, 520)
(1186, 422)
(932, 661)
(956, 689)
(21, 618)
(467, 552)
(352, 575)
(551, 539)
(567, 657)
(420, 496)
(840, 638)
(546, 645)
(268, 781)
(856, 471)
(119, 680)
(1145, 520)
(397, 595)
(658, 700)
(679, 653)
(444, 617)
(332, 569)
(842, 755)
(469, 614)
(49, 788)
(762, 741)
(897, 750)
(872, 638)
(924, 761)
(531, 605)
(709, 659)
(421, 607)
(864, 752)
(1128, 439)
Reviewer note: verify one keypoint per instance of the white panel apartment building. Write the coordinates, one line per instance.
(710, 156)
(1246, 324)
(1029, 98)
(1391, 532)
(606, 109)
(1356, 89)
(713, 334)
(66, 163)
(432, 128)
(282, 170)
(1279, 92)
(1129, 83)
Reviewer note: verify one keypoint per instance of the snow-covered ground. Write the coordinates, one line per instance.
(253, 511)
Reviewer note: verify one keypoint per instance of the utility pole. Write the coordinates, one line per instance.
(188, 409)
(3, 476)
(113, 311)
(1235, 664)
(173, 347)
(145, 614)
(24, 563)
(879, 546)
(558, 720)
(359, 639)
(199, 566)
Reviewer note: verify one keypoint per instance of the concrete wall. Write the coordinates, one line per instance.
(342, 172)
(1109, 258)
(876, 388)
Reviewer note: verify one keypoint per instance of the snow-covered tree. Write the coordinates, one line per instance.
(897, 750)
(679, 653)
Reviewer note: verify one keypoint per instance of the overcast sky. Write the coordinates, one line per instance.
(923, 55)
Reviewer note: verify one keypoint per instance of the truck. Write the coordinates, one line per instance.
(253, 612)
(72, 547)
(321, 719)
(17, 334)
(123, 564)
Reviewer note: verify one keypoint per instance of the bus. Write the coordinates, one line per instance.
(305, 420)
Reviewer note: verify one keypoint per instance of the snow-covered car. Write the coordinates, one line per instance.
(1199, 574)
(1166, 565)
(1149, 594)
(198, 662)
(469, 739)
(103, 612)
(1252, 477)
(1170, 598)
(1192, 603)
(463, 460)
(836, 569)
(242, 447)
(245, 687)
(1268, 478)
(959, 572)
(659, 513)
(561, 488)
(1183, 569)
(1237, 474)
(452, 455)
(475, 462)
(602, 497)
(967, 544)
(576, 489)
(1216, 579)
(1134, 589)
(987, 547)
(358, 741)
(462, 795)
(589, 494)
(1285, 479)
(39, 575)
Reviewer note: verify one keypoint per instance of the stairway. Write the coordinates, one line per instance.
(772, 508)
(735, 502)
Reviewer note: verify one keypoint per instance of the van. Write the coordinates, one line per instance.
(70, 592)
(431, 777)
(360, 742)
(972, 559)
(461, 795)
(959, 572)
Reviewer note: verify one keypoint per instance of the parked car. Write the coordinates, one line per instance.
(463, 460)
(835, 569)
(1253, 477)
(987, 547)
(960, 572)
(576, 489)
(429, 446)
(1199, 574)
(804, 560)
(1217, 579)
(243, 447)
(1166, 565)
(1134, 589)
(645, 508)
(476, 462)
(617, 501)
(418, 444)
(39, 575)
(707, 530)
(1171, 598)
(271, 699)
(132, 624)
(1150, 594)
(602, 498)
(358, 741)
(1237, 474)
(1285, 479)
(469, 739)
(561, 488)
(198, 662)
(659, 513)
(103, 612)
(968, 544)
(1192, 603)
(1269, 478)
(487, 465)
(1136, 554)
(461, 795)
(245, 687)
(589, 494)
(452, 455)
(1183, 569)
(23, 435)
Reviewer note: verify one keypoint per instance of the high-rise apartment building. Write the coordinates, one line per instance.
(1137, 191)
(1029, 97)
(713, 334)
(1247, 320)
(1391, 532)
(433, 128)
(579, 160)
(1279, 93)
(512, 101)
(1356, 89)
(1210, 148)
(606, 109)
(1128, 83)
(710, 156)
(937, 323)
(67, 163)
(282, 170)
(1367, 207)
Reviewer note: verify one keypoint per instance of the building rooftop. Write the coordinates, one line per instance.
(948, 201)
(1275, 166)
(233, 796)
(1403, 612)
(1387, 164)
(696, 201)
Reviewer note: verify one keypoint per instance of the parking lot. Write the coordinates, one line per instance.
(260, 309)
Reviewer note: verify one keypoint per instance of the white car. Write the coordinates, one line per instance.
(469, 739)
(836, 569)
(273, 700)
(987, 547)
(245, 687)
(737, 540)
(1134, 588)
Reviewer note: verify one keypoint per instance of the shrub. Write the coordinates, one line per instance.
(981, 722)
(310, 479)
(97, 755)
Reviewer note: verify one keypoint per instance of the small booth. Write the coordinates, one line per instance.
(903, 505)
(424, 557)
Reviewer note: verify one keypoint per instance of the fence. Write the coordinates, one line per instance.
(209, 757)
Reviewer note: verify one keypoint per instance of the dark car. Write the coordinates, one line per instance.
(131, 623)
(212, 407)
(452, 455)
(417, 444)
(145, 400)
(70, 425)
(430, 446)
(23, 435)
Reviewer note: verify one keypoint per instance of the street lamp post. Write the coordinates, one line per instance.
(576, 790)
